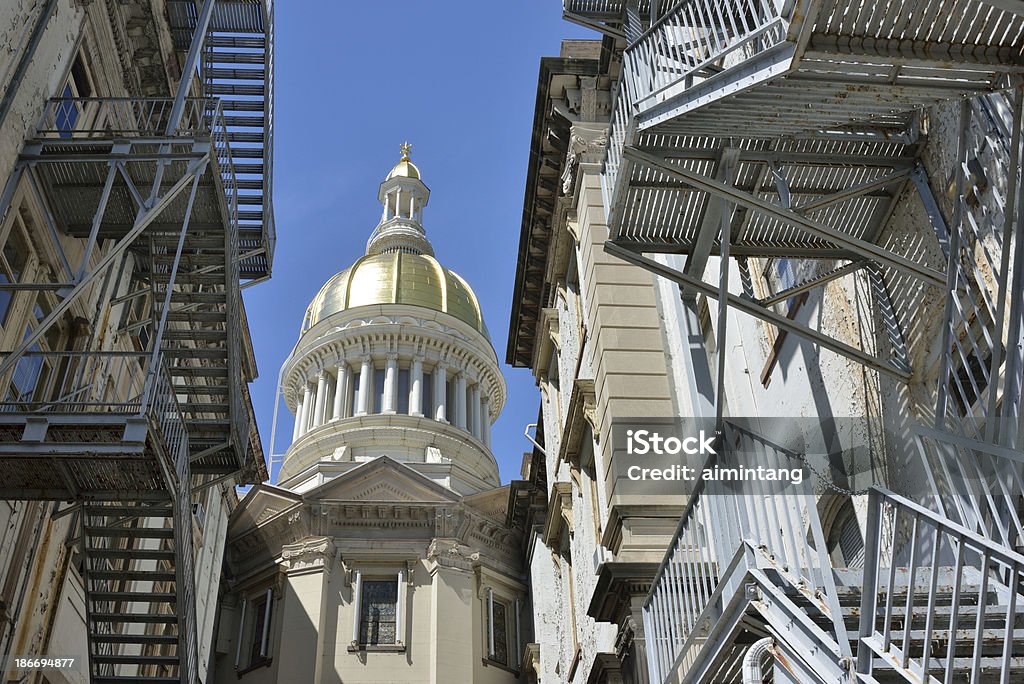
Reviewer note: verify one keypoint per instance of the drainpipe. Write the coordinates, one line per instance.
(754, 660)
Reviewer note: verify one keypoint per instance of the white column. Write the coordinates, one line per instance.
(298, 418)
(321, 399)
(460, 400)
(365, 386)
(307, 400)
(344, 377)
(391, 385)
(357, 597)
(474, 411)
(441, 392)
(416, 387)
(485, 410)
(398, 202)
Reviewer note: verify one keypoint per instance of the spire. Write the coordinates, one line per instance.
(403, 196)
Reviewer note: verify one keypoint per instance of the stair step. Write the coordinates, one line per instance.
(198, 371)
(147, 618)
(126, 511)
(198, 335)
(137, 596)
(249, 168)
(235, 89)
(113, 679)
(135, 659)
(257, 74)
(133, 532)
(197, 316)
(245, 137)
(149, 639)
(139, 554)
(134, 575)
(234, 42)
(236, 57)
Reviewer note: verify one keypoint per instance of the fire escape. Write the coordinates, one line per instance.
(792, 129)
(170, 201)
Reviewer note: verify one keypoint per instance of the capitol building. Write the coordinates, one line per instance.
(382, 553)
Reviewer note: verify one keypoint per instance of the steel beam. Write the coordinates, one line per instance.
(861, 247)
(713, 211)
(767, 315)
(855, 191)
(188, 69)
(812, 283)
(952, 270)
(145, 218)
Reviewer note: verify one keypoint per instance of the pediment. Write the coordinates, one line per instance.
(382, 480)
(262, 503)
(493, 503)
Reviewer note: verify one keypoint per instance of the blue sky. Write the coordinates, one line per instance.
(458, 79)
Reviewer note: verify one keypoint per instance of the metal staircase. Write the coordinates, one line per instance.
(132, 583)
(794, 131)
(148, 401)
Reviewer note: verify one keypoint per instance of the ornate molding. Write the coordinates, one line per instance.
(587, 143)
(451, 553)
(308, 554)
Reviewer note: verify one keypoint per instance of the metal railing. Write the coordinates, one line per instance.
(919, 621)
(696, 37)
(130, 117)
(688, 589)
(76, 382)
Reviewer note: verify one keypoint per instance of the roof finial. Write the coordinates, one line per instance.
(406, 149)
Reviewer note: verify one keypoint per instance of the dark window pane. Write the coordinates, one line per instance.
(379, 376)
(500, 634)
(403, 391)
(378, 609)
(260, 612)
(428, 395)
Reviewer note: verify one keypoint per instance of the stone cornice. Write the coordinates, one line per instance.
(617, 583)
(559, 515)
(582, 412)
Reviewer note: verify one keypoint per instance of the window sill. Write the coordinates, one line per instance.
(376, 648)
(501, 666)
(255, 665)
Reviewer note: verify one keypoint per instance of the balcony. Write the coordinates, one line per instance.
(92, 425)
(782, 67)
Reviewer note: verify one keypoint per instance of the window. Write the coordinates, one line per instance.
(403, 390)
(499, 631)
(13, 259)
(78, 85)
(352, 401)
(502, 625)
(378, 612)
(427, 394)
(254, 630)
(377, 399)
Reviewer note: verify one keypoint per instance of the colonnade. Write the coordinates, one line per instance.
(342, 392)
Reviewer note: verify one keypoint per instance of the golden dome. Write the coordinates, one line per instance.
(398, 278)
(404, 169)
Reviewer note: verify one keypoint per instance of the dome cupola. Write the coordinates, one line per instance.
(394, 359)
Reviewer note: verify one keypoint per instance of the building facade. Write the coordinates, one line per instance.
(382, 553)
(136, 164)
(778, 212)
